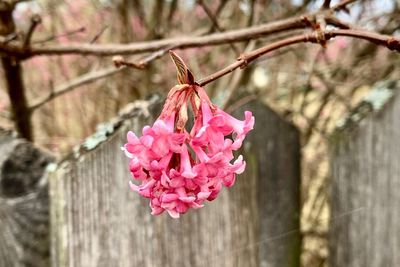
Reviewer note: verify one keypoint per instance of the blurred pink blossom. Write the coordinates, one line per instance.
(178, 170)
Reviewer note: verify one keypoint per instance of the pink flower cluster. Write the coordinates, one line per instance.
(178, 170)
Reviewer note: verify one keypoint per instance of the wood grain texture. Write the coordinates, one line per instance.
(365, 198)
(98, 221)
(24, 209)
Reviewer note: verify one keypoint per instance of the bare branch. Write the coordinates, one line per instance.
(151, 46)
(215, 23)
(379, 39)
(35, 20)
(342, 5)
(82, 80)
(210, 15)
(97, 36)
(120, 63)
(326, 4)
(68, 33)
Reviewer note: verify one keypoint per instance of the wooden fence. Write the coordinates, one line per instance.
(365, 198)
(98, 221)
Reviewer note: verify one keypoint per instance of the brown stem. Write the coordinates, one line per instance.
(94, 76)
(245, 34)
(68, 33)
(80, 81)
(342, 5)
(35, 20)
(317, 37)
(326, 4)
(215, 23)
(151, 46)
(13, 77)
(16, 92)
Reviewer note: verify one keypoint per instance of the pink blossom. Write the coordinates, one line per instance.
(179, 169)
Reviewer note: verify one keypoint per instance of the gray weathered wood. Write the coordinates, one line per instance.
(98, 221)
(365, 198)
(24, 209)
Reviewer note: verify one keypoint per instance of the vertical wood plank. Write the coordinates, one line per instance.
(365, 184)
(98, 221)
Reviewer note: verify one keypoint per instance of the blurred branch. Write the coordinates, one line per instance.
(120, 64)
(215, 23)
(319, 37)
(232, 36)
(68, 33)
(210, 15)
(13, 76)
(80, 81)
(35, 20)
(342, 5)
(97, 36)
(299, 22)
(326, 4)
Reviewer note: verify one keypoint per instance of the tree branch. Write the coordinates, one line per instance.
(120, 63)
(342, 5)
(316, 37)
(68, 33)
(215, 23)
(82, 80)
(151, 46)
(35, 20)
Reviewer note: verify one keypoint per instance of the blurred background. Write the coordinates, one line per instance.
(310, 86)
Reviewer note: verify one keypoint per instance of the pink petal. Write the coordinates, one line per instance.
(147, 140)
(173, 213)
(132, 138)
(186, 167)
(203, 195)
(133, 186)
(187, 199)
(169, 197)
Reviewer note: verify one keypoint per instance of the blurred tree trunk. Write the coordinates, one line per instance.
(13, 77)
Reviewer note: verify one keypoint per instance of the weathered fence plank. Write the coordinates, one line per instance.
(365, 198)
(98, 221)
(24, 209)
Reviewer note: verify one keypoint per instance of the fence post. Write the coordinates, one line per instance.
(365, 199)
(98, 221)
(24, 209)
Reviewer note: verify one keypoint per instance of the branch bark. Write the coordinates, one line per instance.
(232, 36)
(317, 37)
(13, 77)
(82, 80)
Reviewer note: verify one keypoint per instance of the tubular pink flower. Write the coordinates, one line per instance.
(179, 170)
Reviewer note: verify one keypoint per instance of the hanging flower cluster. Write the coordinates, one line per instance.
(179, 169)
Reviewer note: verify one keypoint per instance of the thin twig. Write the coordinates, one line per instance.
(326, 4)
(215, 23)
(210, 15)
(82, 80)
(342, 5)
(68, 33)
(97, 75)
(35, 20)
(97, 36)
